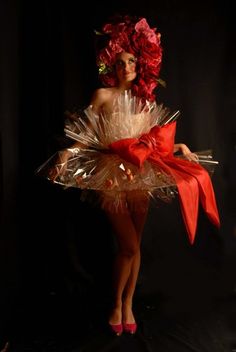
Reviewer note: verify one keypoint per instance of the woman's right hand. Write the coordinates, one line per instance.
(59, 167)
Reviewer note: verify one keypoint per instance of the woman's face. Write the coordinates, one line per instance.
(125, 67)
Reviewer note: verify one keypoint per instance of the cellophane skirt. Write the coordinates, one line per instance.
(119, 185)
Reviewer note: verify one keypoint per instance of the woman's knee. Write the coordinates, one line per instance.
(130, 250)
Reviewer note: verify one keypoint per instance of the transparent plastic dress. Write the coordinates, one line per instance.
(93, 164)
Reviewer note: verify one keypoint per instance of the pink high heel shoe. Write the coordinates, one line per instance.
(130, 328)
(116, 329)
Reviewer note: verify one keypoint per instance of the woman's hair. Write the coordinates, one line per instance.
(133, 35)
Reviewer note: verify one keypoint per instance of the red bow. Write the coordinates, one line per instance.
(192, 180)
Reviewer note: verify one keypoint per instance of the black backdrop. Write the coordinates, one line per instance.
(49, 239)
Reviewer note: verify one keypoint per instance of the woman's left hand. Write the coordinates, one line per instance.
(184, 149)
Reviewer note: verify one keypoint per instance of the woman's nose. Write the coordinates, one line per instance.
(127, 66)
(124, 65)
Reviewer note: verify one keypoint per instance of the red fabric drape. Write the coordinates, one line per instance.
(192, 180)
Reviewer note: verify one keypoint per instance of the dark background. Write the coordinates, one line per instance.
(53, 248)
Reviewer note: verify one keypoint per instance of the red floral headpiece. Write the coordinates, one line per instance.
(137, 38)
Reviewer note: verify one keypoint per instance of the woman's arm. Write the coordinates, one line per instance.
(184, 150)
(181, 147)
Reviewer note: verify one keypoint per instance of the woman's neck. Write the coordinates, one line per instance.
(124, 86)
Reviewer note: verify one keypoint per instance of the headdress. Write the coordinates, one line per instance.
(136, 37)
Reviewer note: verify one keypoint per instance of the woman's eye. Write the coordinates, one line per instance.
(132, 60)
(119, 63)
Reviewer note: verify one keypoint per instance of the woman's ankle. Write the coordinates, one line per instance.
(115, 315)
(127, 313)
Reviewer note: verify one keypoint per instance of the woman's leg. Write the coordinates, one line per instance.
(139, 218)
(128, 248)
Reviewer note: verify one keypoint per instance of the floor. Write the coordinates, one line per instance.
(54, 323)
(185, 299)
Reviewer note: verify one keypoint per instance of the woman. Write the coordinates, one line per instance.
(128, 227)
(130, 62)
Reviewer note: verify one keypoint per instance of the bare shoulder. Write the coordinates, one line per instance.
(101, 96)
(102, 99)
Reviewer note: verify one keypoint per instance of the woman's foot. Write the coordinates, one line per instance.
(130, 328)
(115, 321)
(116, 329)
(129, 324)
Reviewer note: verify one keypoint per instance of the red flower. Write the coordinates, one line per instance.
(138, 38)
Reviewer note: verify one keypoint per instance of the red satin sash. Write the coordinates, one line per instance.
(192, 180)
